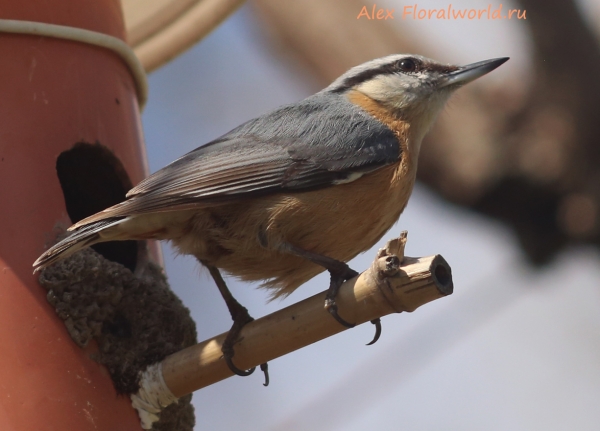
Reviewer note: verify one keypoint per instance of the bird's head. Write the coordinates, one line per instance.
(412, 87)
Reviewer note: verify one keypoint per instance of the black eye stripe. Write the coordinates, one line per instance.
(366, 75)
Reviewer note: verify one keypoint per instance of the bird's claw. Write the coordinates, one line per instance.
(331, 306)
(377, 323)
(236, 370)
(265, 369)
(245, 373)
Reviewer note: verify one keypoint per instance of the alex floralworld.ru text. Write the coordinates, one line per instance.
(415, 12)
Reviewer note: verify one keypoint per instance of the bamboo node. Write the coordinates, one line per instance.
(390, 258)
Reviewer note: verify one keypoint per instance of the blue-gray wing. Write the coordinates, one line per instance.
(296, 148)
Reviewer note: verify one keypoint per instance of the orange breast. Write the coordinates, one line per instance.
(340, 221)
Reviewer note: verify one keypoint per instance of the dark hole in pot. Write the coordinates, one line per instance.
(93, 179)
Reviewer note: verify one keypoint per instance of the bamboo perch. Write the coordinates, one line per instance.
(388, 286)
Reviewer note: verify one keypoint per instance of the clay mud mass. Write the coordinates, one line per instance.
(136, 320)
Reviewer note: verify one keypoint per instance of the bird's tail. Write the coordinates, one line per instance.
(81, 237)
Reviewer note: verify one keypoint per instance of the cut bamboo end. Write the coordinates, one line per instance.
(392, 284)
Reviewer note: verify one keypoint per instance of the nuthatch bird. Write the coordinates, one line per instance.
(293, 192)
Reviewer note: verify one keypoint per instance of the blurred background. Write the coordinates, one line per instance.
(509, 194)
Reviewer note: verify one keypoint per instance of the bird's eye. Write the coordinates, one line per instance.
(407, 65)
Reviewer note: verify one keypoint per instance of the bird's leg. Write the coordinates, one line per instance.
(339, 272)
(240, 317)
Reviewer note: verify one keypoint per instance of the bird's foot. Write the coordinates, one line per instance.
(339, 272)
(241, 318)
(338, 277)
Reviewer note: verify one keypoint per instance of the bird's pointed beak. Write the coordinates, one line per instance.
(471, 72)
